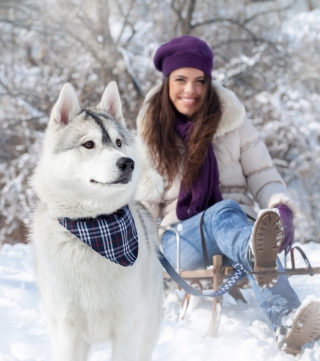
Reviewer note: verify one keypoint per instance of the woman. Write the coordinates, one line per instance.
(211, 158)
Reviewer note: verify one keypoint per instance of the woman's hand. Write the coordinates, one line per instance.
(287, 221)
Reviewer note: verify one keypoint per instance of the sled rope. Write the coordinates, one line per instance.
(239, 273)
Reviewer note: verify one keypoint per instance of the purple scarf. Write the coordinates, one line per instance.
(204, 191)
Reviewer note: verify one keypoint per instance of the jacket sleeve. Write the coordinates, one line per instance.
(150, 190)
(263, 180)
(142, 113)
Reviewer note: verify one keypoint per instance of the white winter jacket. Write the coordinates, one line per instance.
(246, 170)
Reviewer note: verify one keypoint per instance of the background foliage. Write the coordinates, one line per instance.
(267, 52)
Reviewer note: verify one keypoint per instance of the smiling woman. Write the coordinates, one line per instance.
(211, 157)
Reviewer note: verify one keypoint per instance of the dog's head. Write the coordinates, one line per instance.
(90, 162)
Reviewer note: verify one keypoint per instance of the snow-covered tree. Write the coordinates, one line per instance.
(266, 51)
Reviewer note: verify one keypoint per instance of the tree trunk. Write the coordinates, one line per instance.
(309, 5)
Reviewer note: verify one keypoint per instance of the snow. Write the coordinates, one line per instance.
(303, 27)
(245, 333)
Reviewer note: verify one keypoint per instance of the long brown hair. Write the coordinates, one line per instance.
(163, 142)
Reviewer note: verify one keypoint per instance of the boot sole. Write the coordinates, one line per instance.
(267, 238)
(305, 328)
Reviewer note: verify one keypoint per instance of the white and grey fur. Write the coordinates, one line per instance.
(86, 298)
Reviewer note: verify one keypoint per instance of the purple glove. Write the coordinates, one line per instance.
(287, 221)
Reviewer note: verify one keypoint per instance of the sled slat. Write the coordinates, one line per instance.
(207, 273)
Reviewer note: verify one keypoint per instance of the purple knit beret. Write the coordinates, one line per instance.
(184, 52)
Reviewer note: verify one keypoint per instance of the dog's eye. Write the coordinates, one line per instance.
(119, 143)
(88, 145)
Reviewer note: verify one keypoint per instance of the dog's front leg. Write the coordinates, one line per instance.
(126, 344)
(68, 343)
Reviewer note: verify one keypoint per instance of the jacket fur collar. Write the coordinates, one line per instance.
(233, 111)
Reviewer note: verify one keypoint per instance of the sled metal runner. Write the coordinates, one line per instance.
(288, 272)
(217, 273)
(228, 271)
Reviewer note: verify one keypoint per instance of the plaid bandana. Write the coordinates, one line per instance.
(114, 235)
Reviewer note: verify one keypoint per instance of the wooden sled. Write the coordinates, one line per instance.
(219, 274)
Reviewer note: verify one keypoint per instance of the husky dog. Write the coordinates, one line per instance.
(91, 166)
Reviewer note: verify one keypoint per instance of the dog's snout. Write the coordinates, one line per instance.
(125, 164)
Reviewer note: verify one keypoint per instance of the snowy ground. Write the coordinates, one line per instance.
(245, 334)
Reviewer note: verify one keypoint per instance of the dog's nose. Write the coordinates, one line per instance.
(125, 164)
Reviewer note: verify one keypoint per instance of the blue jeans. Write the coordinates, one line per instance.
(227, 232)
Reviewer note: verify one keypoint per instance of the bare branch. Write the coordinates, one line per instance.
(240, 40)
(130, 70)
(191, 11)
(125, 21)
(175, 9)
(267, 12)
(241, 25)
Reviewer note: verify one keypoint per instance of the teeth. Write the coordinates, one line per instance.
(189, 100)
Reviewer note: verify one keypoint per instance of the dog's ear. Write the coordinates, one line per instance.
(67, 105)
(111, 102)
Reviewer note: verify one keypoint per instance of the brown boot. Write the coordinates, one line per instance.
(266, 239)
(301, 327)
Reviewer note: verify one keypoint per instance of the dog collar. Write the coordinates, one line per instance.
(113, 236)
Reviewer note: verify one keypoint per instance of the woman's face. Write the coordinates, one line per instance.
(186, 86)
